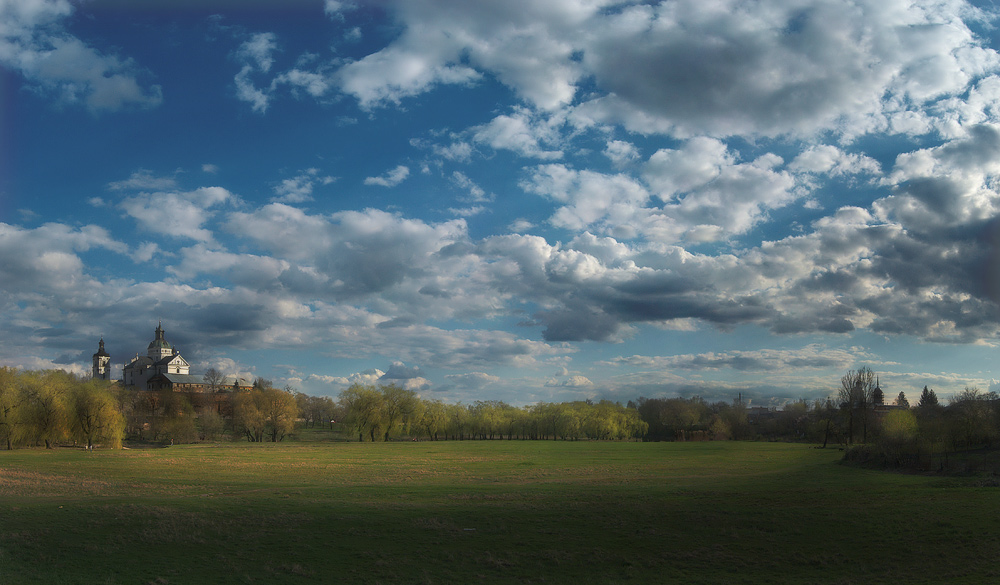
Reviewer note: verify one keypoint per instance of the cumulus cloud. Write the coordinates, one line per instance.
(366, 378)
(299, 188)
(521, 133)
(575, 381)
(621, 153)
(415, 63)
(400, 371)
(830, 160)
(46, 259)
(391, 178)
(777, 68)
(34, 42)
(768, 68)
(175, 213)
(706, 195)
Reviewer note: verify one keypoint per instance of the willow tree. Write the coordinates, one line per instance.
(47, 412)
(363, 406)
(11, 403)
(265, 411)
(95, 415)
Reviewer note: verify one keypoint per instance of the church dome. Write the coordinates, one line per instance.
(159, 343)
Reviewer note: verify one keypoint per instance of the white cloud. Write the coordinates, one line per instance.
(366, 378)
(391, 178)
(258, 51)
(144, 179)
(621, 153)
(300, 188)
(177, 214)
(776, 68)
(410, 67)
(476, 194)
(520, 133)
(472, 380)
(827, 159)
(336, 8)
(608, 202)
(55, 63)
(256, 56)
(812, 356)
(951, 184)
(683, 68)
(575, 381)
(528, 45)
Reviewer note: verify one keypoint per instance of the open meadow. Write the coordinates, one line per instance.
(486, 511)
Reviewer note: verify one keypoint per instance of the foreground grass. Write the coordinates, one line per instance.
(497, 512)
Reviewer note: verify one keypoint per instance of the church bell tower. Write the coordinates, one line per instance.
(102, 363)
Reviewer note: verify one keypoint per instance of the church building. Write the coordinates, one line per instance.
(160, 358)
(162, 368)
(102, 363)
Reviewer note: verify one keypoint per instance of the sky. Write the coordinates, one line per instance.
(507, 199)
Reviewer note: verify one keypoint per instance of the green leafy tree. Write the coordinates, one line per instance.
(265, 412)
(363, 409)
(178, 423)
(47, 405)
(95, 415)
(399, 409)
(210, 424)
(434, 418)
(248, 417)
(280, 411)
(898, 437)
(11, 401)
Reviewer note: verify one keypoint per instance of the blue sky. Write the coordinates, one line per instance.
(509, 199)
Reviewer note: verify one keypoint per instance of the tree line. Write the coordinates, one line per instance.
(380, 413)
(45, 408)
(54, 407)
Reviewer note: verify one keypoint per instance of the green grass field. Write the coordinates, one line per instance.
(493, 512)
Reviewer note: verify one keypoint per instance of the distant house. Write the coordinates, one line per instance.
(756, 414)
(196, 384)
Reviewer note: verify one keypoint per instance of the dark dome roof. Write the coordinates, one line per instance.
(159, 342)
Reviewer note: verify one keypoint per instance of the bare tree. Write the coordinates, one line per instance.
(215, 379)
(856, 393)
